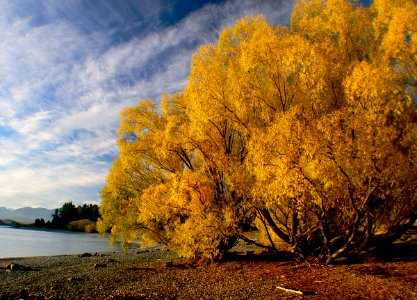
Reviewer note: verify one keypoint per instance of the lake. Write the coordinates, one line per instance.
(26, 242)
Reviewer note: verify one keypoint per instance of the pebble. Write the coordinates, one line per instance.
(16, 267)
(85, 255)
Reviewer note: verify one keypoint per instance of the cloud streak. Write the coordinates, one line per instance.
(67, 71)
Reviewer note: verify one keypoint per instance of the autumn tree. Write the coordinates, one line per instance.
(307, 133)
(166, 187)
(341, 179)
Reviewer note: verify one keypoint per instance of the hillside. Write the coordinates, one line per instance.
(7, 222)
(26, 214)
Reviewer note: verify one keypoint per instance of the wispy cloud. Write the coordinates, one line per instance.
(68, 68)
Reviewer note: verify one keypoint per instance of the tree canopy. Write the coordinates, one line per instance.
(308, 133)
(71, 217)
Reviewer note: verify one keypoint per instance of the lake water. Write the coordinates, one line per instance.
(25, 242)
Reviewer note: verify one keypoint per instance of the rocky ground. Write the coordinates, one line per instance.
(157, 274)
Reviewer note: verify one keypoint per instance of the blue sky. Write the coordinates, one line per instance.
(69, 67)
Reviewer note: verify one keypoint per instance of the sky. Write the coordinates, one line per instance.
(67, 69)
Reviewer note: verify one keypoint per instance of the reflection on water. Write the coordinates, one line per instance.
(26, 242)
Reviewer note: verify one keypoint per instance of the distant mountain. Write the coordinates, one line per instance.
(26, 214)
(7, 222)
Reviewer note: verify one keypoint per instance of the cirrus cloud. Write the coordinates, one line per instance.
(68, 68)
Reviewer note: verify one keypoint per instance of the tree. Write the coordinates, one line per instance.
(69, 213)
(39, 223)
(343, 181)
(83, 225)
(306, 132)
(164, 182)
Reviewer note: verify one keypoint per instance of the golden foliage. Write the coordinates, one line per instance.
(308, 133)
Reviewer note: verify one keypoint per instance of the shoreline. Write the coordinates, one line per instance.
(69, 276)
(30, 227)
(40, 257)
(16, 242)
(160, 274)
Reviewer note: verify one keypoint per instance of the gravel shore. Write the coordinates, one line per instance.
(157, 274)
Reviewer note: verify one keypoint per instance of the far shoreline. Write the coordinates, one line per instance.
(47, 229)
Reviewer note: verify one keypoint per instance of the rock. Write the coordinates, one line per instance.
(17, 267)
(86, 255)
(142, 251)
(76, 278)
(23, 294)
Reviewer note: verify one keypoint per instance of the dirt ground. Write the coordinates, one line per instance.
(157, 274)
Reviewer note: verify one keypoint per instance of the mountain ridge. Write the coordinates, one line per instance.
(26, 214)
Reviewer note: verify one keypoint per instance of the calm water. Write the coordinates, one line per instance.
(25, 242)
